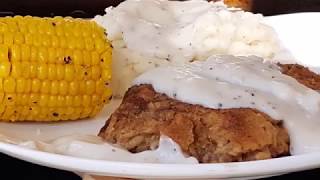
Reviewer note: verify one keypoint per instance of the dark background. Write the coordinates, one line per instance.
(89, 8)
(17, 169)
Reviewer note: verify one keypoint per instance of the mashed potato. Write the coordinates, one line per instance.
(151, 33)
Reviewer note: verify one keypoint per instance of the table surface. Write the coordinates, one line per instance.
(84, 8)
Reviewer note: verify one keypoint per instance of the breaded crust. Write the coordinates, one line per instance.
(210, 135)
(302, 75)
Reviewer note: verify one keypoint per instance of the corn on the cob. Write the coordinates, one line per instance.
(52, 69)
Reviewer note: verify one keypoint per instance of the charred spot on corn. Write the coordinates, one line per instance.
(67, 60)
(53, 69)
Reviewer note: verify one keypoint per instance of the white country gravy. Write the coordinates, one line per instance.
(234, 82)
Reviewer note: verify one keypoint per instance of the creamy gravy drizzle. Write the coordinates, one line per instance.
(234, 82)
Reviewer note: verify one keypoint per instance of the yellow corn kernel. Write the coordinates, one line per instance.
(95, 60)
(74, 88)
(100, 45)
(52, 101)
(95, 72)
(4, 53)
(35, 85)
(8, 39)
(52, 55)
(28, 85)
(43, 71)
(90, 87)
(18, 38)
(9, 85)
(15, 53)
(42, 55)
(9, 99)
(69, 101)
(55, 41)
(86, 100)
(4, 69)
(54, 89)
(89, 44)
(77, 57)
(106, 59)
(63, 87)
(21, 85)
(28, 39)
(86, 112)
(46, 40)
(45, 87)
(33, 69)
(69, 72)
(60, 54)
(43, 101)
(17, 70)
(99, 87)
(33, 54)
(63, 42)
(60, 72)
(1, 98)
(72, 42)
(77, 101)
(25, 52)
(106, 74)
(8, 113)
(61, 101)
(1, 85)
(80, 43)
(36, 41)
(87, 58)
(52, 72)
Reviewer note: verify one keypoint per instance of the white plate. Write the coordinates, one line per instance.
(299, 33)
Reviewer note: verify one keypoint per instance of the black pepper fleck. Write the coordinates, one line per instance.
(101, 60)
(113, 150)
(107, 84)
(110, 98)
(53, 24)
(210, 68)
(30, 109)
(35, 102)
(9, 98)
(272, 77)
(85, 73)
(253, 103)
(273, 107)
(174, 94)
(252, 94)
(220, 105)
(174, 149)
(55, 114)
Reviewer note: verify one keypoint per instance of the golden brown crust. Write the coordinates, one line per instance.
(302, 75)
(243, 4)
(210, 135)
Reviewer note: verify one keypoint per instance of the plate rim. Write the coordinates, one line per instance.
(209, 170)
